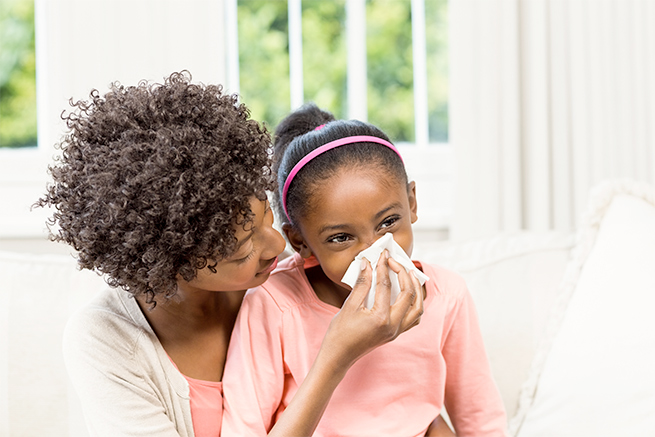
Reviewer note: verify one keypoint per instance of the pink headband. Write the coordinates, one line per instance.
(324, 148)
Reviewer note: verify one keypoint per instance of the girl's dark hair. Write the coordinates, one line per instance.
(295, 137)
(152, 179)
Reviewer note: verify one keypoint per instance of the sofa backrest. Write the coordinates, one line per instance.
(37, 295)
(514, 279)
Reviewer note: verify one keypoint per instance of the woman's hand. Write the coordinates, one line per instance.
(356, 330)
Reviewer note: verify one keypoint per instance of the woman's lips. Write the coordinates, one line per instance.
(270, 268)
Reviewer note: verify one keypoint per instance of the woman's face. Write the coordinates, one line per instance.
(258, 246)
(349, 212)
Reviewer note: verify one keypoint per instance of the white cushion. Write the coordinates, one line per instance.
(594, 375)
(38, 293)
(513, 278)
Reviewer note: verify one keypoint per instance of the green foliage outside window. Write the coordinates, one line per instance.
(389, 65)
(324, 54)
(264, 58)
(17, 74)
(264, 61)
(436, 34)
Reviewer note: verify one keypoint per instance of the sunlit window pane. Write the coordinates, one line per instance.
(389, 64)
(324, 54)
(263, 27)
(264, 58)
(436, 24)
(17, 74)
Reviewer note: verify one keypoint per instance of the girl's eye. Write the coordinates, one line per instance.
(339, 238)
(389, 221)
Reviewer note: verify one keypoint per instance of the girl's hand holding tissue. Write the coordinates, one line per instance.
(369, 328)
(372, 253)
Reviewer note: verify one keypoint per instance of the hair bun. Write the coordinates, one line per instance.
(305, 119)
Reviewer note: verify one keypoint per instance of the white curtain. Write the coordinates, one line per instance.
(548, 98)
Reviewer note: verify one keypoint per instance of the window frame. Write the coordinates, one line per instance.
(23, 171)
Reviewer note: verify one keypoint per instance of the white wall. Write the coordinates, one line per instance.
(86, 44)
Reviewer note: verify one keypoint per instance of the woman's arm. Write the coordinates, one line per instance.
(109, 365)
(353, 332)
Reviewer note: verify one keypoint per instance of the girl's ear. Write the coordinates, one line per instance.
(411, 194)
(296, 240)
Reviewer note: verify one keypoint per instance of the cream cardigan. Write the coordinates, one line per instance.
(126, 383)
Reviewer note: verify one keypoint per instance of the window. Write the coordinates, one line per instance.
(277, 54)
(384, 61)
(17, 74)
(22, 165)
(359, 59)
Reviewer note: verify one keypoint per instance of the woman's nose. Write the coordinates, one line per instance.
(274, 243)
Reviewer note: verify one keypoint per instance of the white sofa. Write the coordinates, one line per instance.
(541, 300)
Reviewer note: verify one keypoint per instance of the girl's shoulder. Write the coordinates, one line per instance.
(442, 281)
(286, 287)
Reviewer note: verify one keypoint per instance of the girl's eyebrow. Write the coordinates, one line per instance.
(331, 228)
(387, 209)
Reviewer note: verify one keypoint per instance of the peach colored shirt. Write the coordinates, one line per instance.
(206, 407)
(396, 390)
(206, 402)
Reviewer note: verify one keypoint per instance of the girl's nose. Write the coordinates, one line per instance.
(368, 242)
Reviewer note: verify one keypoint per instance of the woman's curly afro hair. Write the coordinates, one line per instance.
(152, 179)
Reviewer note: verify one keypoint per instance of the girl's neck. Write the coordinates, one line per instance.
(326, 290)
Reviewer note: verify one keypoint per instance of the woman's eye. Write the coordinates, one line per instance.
(247, 257)
(339, 238)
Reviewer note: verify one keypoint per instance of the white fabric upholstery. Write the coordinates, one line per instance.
(513, 279)
(38, 293)
(593, 375)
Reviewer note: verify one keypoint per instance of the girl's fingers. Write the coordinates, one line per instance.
(410, 300)
(404, 278)
(413, 316)
(406, 311)
(382, 284)
(406, 298)
(362, 286)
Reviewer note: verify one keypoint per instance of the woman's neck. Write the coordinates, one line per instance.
(195, 329)
(195, 309)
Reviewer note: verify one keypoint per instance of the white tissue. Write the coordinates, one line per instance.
(372, 254)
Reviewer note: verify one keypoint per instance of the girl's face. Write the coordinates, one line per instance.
(348, 213)
(259, 244)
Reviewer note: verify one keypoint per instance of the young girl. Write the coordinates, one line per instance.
(342, 186)
(162, 188)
